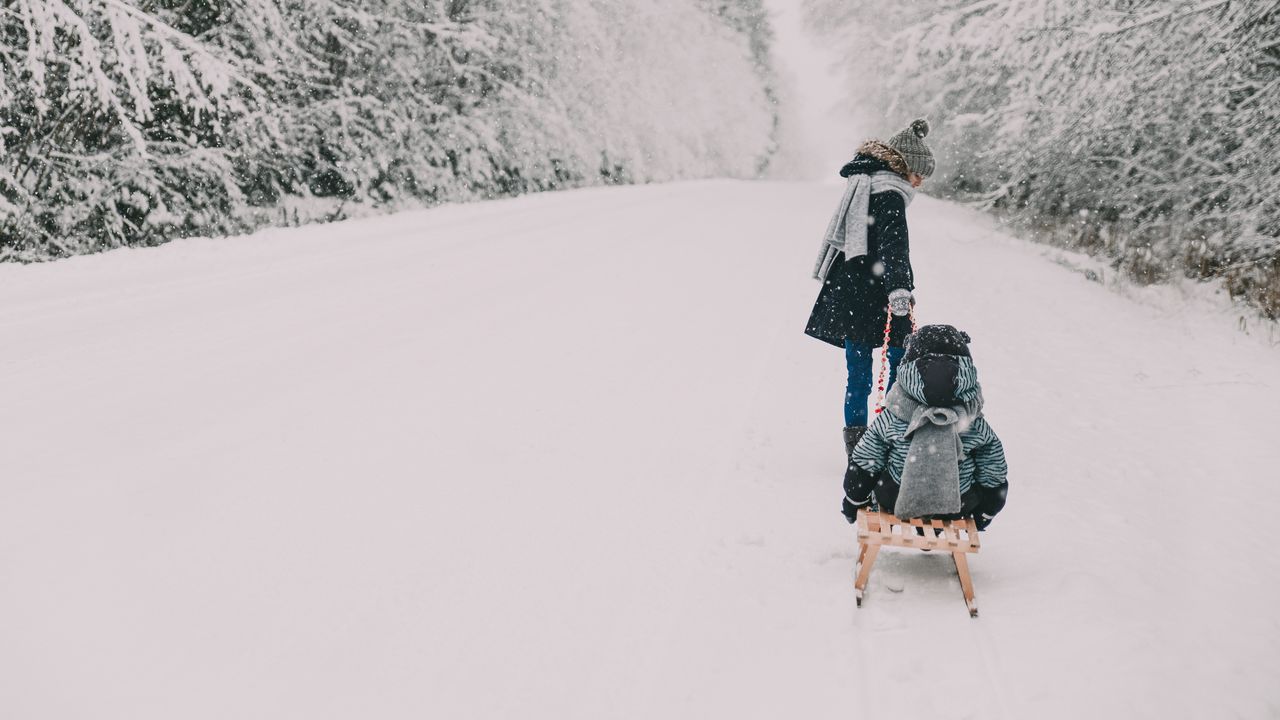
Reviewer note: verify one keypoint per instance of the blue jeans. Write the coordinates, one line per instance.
(861, 380)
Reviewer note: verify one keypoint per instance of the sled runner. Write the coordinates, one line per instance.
(957, 537)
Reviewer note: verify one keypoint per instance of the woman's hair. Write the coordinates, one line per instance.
(881, 151)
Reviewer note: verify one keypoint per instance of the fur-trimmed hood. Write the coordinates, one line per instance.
(873, 156)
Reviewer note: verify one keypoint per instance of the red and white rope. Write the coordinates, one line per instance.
(881, 391)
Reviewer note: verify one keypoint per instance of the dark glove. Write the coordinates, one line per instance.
(850, 509)
(858, 484)
(990, 505)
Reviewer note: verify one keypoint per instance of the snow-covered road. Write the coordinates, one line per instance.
(570, 456)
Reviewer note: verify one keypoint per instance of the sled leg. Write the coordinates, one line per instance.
(966, 582)
(869, 553)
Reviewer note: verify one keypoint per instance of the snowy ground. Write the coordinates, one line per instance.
(570, 456)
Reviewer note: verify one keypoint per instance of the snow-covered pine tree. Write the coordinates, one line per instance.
(102, 103)
(131, 122)
(1136, 129)
(692, 103)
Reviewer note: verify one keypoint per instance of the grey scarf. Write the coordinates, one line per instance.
(847, 231)
(931, 475)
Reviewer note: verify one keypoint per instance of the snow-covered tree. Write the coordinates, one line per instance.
(1143, 129)
(135, 121)
(102, 104)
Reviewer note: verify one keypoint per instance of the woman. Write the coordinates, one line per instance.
(865, 263)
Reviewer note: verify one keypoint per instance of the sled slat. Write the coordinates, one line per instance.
(957, 537)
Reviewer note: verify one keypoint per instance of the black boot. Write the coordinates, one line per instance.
(852, 434)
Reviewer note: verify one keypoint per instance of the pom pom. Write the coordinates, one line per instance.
(920, 127)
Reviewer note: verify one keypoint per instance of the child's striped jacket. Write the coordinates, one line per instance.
(885, 445)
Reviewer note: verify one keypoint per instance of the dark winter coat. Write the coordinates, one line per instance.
(854, 298)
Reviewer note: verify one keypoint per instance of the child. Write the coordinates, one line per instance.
(942, 458)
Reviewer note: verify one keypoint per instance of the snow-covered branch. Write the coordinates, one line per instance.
(1046, 107)
(131, 121)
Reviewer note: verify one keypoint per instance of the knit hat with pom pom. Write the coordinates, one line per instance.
(910, 145)
(936, 340)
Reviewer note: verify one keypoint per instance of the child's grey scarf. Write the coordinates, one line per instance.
(847, 231)
(931, 476)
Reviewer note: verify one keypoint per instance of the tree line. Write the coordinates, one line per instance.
(132, 122)
(1141, 130)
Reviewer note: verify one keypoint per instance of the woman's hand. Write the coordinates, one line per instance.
(900, 302)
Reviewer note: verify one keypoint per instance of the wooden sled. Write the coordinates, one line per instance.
(957, 537)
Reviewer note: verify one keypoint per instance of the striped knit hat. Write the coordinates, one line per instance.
(910, 145)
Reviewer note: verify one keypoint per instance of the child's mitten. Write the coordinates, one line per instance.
(992, 503)
(858, 485)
